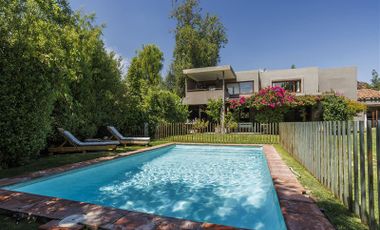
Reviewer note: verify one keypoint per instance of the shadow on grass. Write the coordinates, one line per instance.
(51, 161)
(335, 211)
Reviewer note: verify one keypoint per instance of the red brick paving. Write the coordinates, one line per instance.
(299, 211)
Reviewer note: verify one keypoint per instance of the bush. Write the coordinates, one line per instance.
(162, 106)
(31, 73)
(199, 125)
(269, 116)
(334, 108)
(271, 103)
(55, 72)
(214, 108)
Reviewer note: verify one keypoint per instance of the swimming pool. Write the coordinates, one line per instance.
(226, 185)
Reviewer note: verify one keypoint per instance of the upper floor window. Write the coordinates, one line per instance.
(293, 86)
(236, 88)
(246, 87)
(233, 88)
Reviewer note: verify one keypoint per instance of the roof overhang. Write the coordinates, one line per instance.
(210, 73)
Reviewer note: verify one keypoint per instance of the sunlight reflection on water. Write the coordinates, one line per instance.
(218, 184)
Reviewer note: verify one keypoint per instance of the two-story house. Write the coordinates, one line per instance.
(223, 82)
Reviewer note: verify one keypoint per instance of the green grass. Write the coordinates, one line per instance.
(337, 213)
(46, 162)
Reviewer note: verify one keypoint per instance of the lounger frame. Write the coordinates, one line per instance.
(67, 146)
(126, 142)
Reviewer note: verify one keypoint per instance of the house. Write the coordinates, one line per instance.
(223, 82)
(371, 98)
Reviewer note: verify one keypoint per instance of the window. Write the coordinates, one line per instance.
(233, 88)
(237, 88)
(246, 87)
(293, 86)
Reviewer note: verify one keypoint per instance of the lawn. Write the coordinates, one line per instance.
(336, 212)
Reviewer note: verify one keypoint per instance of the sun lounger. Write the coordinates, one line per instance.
(72, 144)
(127, 140)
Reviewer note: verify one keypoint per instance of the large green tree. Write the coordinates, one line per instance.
(32, 69)
(148, 101)
(55, 72)
(199, 38)
(144, 72)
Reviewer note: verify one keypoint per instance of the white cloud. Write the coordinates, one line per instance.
(125, 62)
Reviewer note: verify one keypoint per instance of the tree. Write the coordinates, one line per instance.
(293, 66)
(32, 68)
(170, 80)
(214, 109)
(162, 106)
(143, 73)
(375, 80)
(55, 72)
(148, 101)
(150, 60)
(199, 39)
(145, 70)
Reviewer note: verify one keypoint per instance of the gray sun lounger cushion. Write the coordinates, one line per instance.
(70, 137)
(119, 136)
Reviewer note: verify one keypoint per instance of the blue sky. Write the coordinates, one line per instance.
(270, 34)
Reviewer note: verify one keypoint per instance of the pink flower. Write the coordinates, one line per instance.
(242, 100)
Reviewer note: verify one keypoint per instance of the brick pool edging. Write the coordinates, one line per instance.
(299, 212)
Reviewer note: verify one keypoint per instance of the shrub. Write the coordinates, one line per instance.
(163, 106)
(334, 108)
(269, 116)
(271, 103)
(214, 108)
(199, 125)
(31, 72)
(354, 108)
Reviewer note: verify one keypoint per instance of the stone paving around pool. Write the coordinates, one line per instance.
(299, 211)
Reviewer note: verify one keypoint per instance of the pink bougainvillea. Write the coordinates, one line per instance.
(237, 103)
(271, 98)
(267, 98)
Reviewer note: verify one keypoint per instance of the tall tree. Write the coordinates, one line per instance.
(293, 66)
(148, 102)
(199, 38)
(55, 72)
(375, 80)
(145, 70)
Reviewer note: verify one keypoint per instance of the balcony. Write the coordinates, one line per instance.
(201, 96)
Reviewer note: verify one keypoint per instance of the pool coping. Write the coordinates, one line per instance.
(299, 211)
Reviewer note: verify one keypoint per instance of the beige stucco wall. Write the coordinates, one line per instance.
(341, 80)
(251, 75)
(308, 77)
(313, 81)
(201, 97)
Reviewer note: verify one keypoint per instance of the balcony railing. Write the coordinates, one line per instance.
(200, 97)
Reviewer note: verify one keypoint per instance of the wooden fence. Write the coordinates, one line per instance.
(343, 156)
(249, 133)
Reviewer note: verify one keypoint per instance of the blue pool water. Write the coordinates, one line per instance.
(218, 184)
